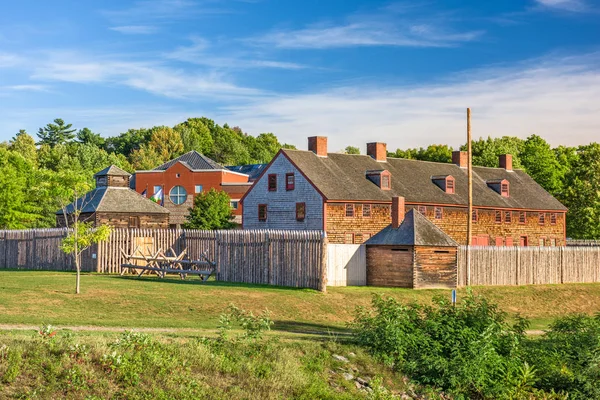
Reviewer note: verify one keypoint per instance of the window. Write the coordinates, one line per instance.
(438, 212)
(498, 217)
(553, 242)
(522, 217)
(542, 218)
(262, 212)
(350, 210)
(366, 210)
(542, 241)
(198, 189)
(504, 189)
(290, 181)
(523, 241)
(157, 189)
(508, 217)
(366, 236)
(272, 183)
(509, 241)
(450, 185)
(178, 195)
(499, 241)
(553, 219)
(234, 204)
(177, 175)
(134, 222)
(475, 216)
(385, 181)
(422, 209)
(300, 211)
(349, 238)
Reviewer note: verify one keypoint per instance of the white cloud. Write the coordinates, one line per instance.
(375, 33)
(160, 11)
(9, 60)
(567, 5)
(135, 29)
(558, 99)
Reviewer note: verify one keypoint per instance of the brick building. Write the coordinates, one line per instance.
(349, 196)
(113, 203)
(180, 179)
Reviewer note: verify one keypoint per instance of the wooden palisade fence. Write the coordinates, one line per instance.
(529, 265)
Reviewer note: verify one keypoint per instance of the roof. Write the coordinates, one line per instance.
(342, 177)
(115, 199)
(113, 170)
(252, 170)
(193, 160)
(415, 230)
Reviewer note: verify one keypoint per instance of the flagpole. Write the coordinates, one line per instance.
(470, 196)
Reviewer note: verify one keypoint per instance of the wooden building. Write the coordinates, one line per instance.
(349, 197)
(178, 181)
(113, 203)
(411, 252)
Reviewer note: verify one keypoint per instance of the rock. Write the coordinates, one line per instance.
(369, 390)
(364, 382)
(404, 396)
(358, 385)
(340, 358)
(348, 376)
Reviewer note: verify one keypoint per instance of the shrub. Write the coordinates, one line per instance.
(253, 326)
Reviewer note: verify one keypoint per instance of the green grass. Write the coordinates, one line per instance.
(35, 297)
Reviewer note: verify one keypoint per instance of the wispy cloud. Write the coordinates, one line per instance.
(135, 29)
(9, 60)
(566, 5)
(557, 98)
(199, 53)
(366, 34)
(27, 88)
(161, 11)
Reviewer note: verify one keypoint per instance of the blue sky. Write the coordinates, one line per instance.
(355, 71)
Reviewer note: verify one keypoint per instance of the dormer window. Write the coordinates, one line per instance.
(445, 182)
(381, 178)
(500, 186)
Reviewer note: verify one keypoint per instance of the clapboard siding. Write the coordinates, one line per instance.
(282, 203)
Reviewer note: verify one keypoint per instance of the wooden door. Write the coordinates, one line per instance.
(142, 246)
(523, 242)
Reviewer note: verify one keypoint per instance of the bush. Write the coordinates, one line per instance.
(468, 350)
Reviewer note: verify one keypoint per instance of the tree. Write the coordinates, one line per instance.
(24, 144)
(486, 151)
(86, 136)
(352, 150)
(434, 152)
(81, 234)
(166, 143)
(212, 210)
(80, 238)
(128, 141)
(56, 133)
(18, 210)
(195, 136)
(541, 164)
(582, 194)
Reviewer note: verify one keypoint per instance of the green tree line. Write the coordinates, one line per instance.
(35, 174)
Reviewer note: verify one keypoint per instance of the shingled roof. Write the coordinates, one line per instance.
(415, 230)
(115, 199)
(343, 177)
(112, 170)
(193, 160)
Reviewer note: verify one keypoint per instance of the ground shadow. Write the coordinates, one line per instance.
(309, 328)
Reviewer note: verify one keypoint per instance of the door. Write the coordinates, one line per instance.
(523, 241)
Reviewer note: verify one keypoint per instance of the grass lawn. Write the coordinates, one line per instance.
(36, 297)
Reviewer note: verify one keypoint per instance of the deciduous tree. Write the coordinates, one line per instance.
(212, 210)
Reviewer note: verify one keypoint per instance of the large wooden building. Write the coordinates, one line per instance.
(113, 203)
(349, 196)
(178, 181)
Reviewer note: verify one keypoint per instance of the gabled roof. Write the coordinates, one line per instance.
(113, 170)
(342, 177)
(252, 170)
(415, 230)
(193, 160)
(115, 199)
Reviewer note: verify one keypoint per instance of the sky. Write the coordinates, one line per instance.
(355, 71)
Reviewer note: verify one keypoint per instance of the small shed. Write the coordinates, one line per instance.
(414, 254)
(113, 203)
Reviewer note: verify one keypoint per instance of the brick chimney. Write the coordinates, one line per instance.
(397, 211)
(318, 145)
(460, 158)
(377, 150)
(506, 162)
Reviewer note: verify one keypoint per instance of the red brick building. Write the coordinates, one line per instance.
(179, 180)
(349, 196)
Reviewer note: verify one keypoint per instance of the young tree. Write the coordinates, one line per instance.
(351, 150)
(24, 144)
(56, 133)
(81, 234)
(212, 210)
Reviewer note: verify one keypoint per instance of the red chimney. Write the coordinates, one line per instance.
(397, 211)
(460, 158)
(377, 150)
(318, 145)
(506, 162)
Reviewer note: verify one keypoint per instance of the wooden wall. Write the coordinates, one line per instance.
(121, 220)
(435, 267)
(361, 228)
(346, 265)
(390, 266)
(529, 265)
